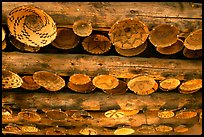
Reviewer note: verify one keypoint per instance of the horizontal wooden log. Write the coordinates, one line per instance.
(99, 101)
(92, 65)
(103, 15)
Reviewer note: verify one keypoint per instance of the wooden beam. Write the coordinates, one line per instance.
(103, 15)
(93, 65)
(99, 101)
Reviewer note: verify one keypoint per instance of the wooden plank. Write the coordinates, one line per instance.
(103, 15)
(93, 65)
(69, 100)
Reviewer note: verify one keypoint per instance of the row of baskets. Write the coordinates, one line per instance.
(30, 28)
(82, 83)
(142, 130)
(32, 117)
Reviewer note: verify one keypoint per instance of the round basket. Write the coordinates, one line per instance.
(31, 26)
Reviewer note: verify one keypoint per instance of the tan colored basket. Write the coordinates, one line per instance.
(133, 51)
(10, 80)
(114, 114)
(21, 46)
(66, 39)
(143, 85)
(173, 49)
(82, 28)
(185, 114)
(164, 35)
(48, 80)
(29, 129)
(190, 86)
(128, 33)
(120, 89)
(79, 79)
(146, 129)
(29, 116)
(13, 128)
(194, 40)
(164, 128)
(55, 114)
(80, 83)
(96, 44)
(105, 82)
(31, 26)
(29, 83)
(86, 88)
(169, 84)
(166, 114)
(181, 129)
(124, 131)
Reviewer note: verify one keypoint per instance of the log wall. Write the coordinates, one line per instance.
(121, 67)
(187, 16)
(103, 15)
